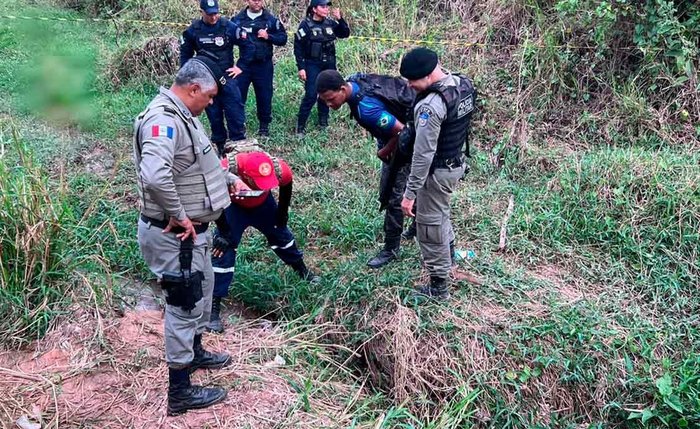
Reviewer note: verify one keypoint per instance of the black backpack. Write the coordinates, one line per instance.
(394, 92)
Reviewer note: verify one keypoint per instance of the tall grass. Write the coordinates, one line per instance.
(58, 240)
(34, 239)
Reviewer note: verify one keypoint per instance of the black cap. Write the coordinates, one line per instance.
(217, 73)
(315, 3)
(209, 7)
(418, 63)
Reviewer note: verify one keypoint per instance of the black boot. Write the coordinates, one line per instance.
(220, 148)
(264, 130)
(386, 255)
(410, 232)
(437, 289)
(183, 396)
(323, 122)
(215, 324)
(305, 273)
(300, 130)
(206, 359)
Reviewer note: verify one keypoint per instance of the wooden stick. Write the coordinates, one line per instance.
(504, 225)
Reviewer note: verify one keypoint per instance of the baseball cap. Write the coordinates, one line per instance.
(258, 167)
(315, 3)
(209, 7)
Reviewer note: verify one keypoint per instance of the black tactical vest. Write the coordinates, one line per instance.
(394, 92)
(215, 41)
(320, 45)
(460, 101)
(263, 48)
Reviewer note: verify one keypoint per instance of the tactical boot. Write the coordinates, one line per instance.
(305, 273)
(323, 122)
(410, 232)
(215, 324)
(383, 257)
(183, 396)
(206, 359)
(264, 130)
(437, 289)
(220, 148)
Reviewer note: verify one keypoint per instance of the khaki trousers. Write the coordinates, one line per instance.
(434, 228)
(161, 252)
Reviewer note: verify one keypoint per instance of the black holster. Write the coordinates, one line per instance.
(183, 289)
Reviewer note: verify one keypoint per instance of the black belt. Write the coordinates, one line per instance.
(159, 223)
(454, 162)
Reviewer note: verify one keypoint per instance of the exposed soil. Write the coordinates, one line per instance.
(94, 372)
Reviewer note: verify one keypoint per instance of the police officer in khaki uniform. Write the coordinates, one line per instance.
(182, 187)
(442, 115)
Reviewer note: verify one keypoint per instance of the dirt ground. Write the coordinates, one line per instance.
(90, 371)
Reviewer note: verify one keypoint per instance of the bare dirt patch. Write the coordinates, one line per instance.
(93, 372)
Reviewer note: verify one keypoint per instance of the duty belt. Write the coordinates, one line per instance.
(159, 223)
(454, 162)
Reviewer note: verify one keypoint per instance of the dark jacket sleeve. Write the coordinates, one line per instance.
(277, 32)
(300, 45)
(246, 50)
(187, 46)
(342, 29)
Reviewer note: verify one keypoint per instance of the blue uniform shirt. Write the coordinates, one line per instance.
(218, 40)
(372, 115)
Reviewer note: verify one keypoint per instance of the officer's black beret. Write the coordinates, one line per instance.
(217, 72)
(418, 63)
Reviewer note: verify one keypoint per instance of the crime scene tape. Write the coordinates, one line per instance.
(134, 21)
(455, 42)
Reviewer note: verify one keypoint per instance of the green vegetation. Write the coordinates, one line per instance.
(589, 118)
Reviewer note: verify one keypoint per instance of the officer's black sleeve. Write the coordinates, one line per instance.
(342, 29)
(186, 46)
(277, 32)
(246, 49)
(299, 45)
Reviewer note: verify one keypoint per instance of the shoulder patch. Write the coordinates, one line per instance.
(424, 114)
(162, 131)
(301, 33)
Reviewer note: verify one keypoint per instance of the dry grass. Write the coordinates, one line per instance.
(109, 372)
(138, 63)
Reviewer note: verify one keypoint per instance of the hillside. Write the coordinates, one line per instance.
(588, 124)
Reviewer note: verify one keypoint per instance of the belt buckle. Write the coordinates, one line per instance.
(450, 163)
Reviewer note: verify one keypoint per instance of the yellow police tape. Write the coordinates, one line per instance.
(462, 43)
(135, 21)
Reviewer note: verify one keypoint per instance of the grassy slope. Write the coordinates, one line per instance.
(575, 324)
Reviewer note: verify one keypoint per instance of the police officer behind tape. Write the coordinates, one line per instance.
(264, 30)
(314, 50)
(214, 36)
(182, 187)
(442, 115)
